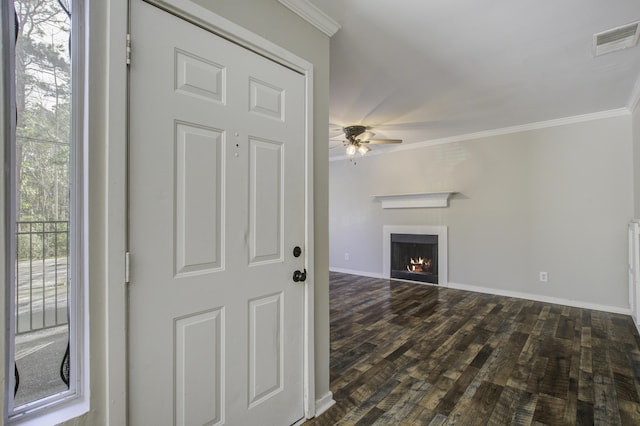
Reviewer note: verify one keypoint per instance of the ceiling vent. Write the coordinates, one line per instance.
(616, 38)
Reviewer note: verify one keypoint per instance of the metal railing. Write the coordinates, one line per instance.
(41, 274)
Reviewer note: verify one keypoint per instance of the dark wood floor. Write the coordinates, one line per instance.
(416, 354)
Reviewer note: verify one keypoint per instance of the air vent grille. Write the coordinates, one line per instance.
(615, 39)
(617, 35)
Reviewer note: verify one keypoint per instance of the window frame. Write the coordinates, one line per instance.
(74, 401)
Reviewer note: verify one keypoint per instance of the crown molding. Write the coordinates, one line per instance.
(310, 13)
(620, 112)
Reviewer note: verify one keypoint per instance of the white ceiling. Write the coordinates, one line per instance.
(420, 70)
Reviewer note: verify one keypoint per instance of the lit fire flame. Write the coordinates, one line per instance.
(419, 265)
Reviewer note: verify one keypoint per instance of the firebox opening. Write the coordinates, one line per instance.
(414, 257)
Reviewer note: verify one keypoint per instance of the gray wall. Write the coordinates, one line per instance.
(555, 200)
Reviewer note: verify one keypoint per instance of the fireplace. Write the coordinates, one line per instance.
(426, 245)
(414, 257)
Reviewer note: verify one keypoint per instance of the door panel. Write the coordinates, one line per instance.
(199, 77)
(198, 368)
(265, 201)
(198, 212)
(266, 348)
(266, 100)
(216, 206)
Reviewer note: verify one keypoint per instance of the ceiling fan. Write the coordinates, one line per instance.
(357, 140)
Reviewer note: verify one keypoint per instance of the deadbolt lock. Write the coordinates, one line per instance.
(299, 276)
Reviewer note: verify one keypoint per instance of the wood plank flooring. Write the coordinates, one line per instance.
(413, 354)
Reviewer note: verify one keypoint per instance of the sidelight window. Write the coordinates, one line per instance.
(44, 145)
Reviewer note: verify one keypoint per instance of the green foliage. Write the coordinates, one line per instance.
(43, 95)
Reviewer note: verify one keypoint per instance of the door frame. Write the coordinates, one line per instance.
(210, 21)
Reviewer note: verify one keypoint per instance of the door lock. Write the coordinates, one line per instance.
(299, 276)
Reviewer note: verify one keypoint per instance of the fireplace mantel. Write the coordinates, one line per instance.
(412, 201)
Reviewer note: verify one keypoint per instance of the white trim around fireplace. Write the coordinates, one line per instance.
(440, 231)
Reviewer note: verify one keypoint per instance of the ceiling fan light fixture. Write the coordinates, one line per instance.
(363, 149)
(357, 140)
(351, 132)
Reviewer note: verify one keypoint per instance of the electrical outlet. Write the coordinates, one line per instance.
(544, 277)
(346, 256)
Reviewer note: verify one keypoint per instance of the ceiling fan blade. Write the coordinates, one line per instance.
(382, 141)
(339, 137)
(365, 136)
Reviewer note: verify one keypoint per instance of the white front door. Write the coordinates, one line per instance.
(217, 205)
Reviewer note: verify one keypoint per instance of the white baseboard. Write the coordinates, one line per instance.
(324, 403)
(540, 298)
(354, 272)
(508, 293)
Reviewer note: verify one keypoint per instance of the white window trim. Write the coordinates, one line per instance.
(75, 401)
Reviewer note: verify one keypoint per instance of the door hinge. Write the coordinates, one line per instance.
(127, 267)
(128, 49)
